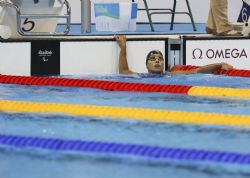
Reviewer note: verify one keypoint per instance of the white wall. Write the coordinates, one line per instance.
(199, 7)
(87, 58)
(79, 57)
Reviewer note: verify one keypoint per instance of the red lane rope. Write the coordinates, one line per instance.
(99, 84)
(234, 72)
(230, 72)
(184, 67)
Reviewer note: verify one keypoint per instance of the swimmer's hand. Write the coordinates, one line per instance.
(121, 40)
(226, 66)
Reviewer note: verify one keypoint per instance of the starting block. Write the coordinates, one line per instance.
(244, 17)
(245, 11)
(33, 17)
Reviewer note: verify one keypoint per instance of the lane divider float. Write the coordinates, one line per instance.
(151, 115)
(230, 72)
(127, 86)
(107, 148)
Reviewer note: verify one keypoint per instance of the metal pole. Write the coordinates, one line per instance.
(86, 16)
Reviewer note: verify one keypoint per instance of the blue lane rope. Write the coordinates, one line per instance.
(154, 152)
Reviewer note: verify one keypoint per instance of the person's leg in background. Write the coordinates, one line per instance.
(211, 25)
(221, 18)
(218, 19)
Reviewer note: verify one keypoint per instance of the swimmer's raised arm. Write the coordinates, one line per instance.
(207, 69)
(123, 63)
(211, 68)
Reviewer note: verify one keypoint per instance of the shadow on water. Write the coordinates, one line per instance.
(206, 168)
(124, 124)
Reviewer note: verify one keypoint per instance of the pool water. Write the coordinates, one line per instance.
(39, 163)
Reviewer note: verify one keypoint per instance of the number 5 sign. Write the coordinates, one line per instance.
(28, 25)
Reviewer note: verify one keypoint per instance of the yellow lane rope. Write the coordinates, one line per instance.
(152, 115)
(219, 92)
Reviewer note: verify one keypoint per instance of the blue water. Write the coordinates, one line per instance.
(179, 28)
(30, 163)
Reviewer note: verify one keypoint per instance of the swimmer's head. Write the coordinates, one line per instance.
(155, 62)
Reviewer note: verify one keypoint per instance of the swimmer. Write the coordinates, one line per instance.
(155, 62)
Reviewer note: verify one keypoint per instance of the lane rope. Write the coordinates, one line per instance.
(230, 72)
(126, 86)
(152, 152)
(151, 115)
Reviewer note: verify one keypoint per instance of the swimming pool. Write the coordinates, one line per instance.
(38, 162)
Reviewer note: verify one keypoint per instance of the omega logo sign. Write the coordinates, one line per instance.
(219, 53)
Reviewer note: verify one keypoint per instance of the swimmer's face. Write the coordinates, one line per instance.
(155, 64)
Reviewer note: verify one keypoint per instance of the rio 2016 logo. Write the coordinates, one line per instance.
(45, 54)
(234, 53)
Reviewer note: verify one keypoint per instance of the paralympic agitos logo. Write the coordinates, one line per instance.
(219, 53)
